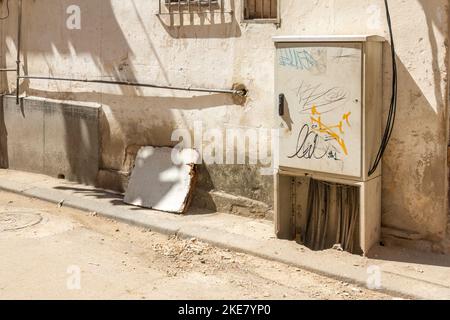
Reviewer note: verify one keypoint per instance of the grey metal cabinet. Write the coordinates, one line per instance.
(328, 96)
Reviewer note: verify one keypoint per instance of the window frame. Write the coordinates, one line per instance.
(276, 21)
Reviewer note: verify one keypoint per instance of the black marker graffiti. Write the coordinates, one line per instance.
(310, 96)
(311, 146)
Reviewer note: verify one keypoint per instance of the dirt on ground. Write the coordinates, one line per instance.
(50, 251)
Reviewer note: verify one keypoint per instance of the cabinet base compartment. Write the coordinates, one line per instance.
(322, 214)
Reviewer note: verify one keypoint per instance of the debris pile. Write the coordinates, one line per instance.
(190, 254)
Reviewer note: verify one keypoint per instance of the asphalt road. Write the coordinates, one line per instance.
(51, 252)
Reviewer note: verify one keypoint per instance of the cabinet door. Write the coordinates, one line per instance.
(319, 113)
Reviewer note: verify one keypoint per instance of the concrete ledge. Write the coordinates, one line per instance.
(406, 274)
(62, 137)
(225, 202)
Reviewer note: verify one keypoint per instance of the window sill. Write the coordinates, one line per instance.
(262, 21)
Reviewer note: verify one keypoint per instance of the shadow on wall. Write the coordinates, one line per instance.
(416, 159)
(435, 21)
(420, 208)
(60, 46)
(101, 30)
(144, 113)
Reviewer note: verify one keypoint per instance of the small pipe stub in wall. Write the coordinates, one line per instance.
(241, 93)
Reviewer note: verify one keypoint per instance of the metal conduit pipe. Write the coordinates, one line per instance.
(19, 42)
(237, 92)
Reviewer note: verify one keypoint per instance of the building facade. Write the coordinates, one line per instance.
(227, 45)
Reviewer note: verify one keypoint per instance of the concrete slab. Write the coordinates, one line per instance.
(158, 183)
(25, 148)
(3, 138)
(71, 135)
(404, 273)
(62, 139)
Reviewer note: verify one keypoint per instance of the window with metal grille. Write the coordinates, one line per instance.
(261, 10)
(182, 6)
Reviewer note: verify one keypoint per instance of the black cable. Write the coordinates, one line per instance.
(393, 106)
(7, 11)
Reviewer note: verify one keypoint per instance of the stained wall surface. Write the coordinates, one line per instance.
(128, 40)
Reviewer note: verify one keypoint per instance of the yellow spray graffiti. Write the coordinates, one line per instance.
(346, 117)
(330, 130)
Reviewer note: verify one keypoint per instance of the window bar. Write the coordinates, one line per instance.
(262, 9)
(270, 9)
(188, 6)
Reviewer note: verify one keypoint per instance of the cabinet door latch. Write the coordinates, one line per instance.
(281, 100)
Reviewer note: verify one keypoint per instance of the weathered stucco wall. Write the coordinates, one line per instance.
(126, 40)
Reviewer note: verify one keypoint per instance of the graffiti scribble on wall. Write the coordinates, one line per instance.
(319, 140)
(332, 132)
(302, 59)
(324, 99)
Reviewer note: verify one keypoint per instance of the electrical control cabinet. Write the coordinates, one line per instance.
(328, 96)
